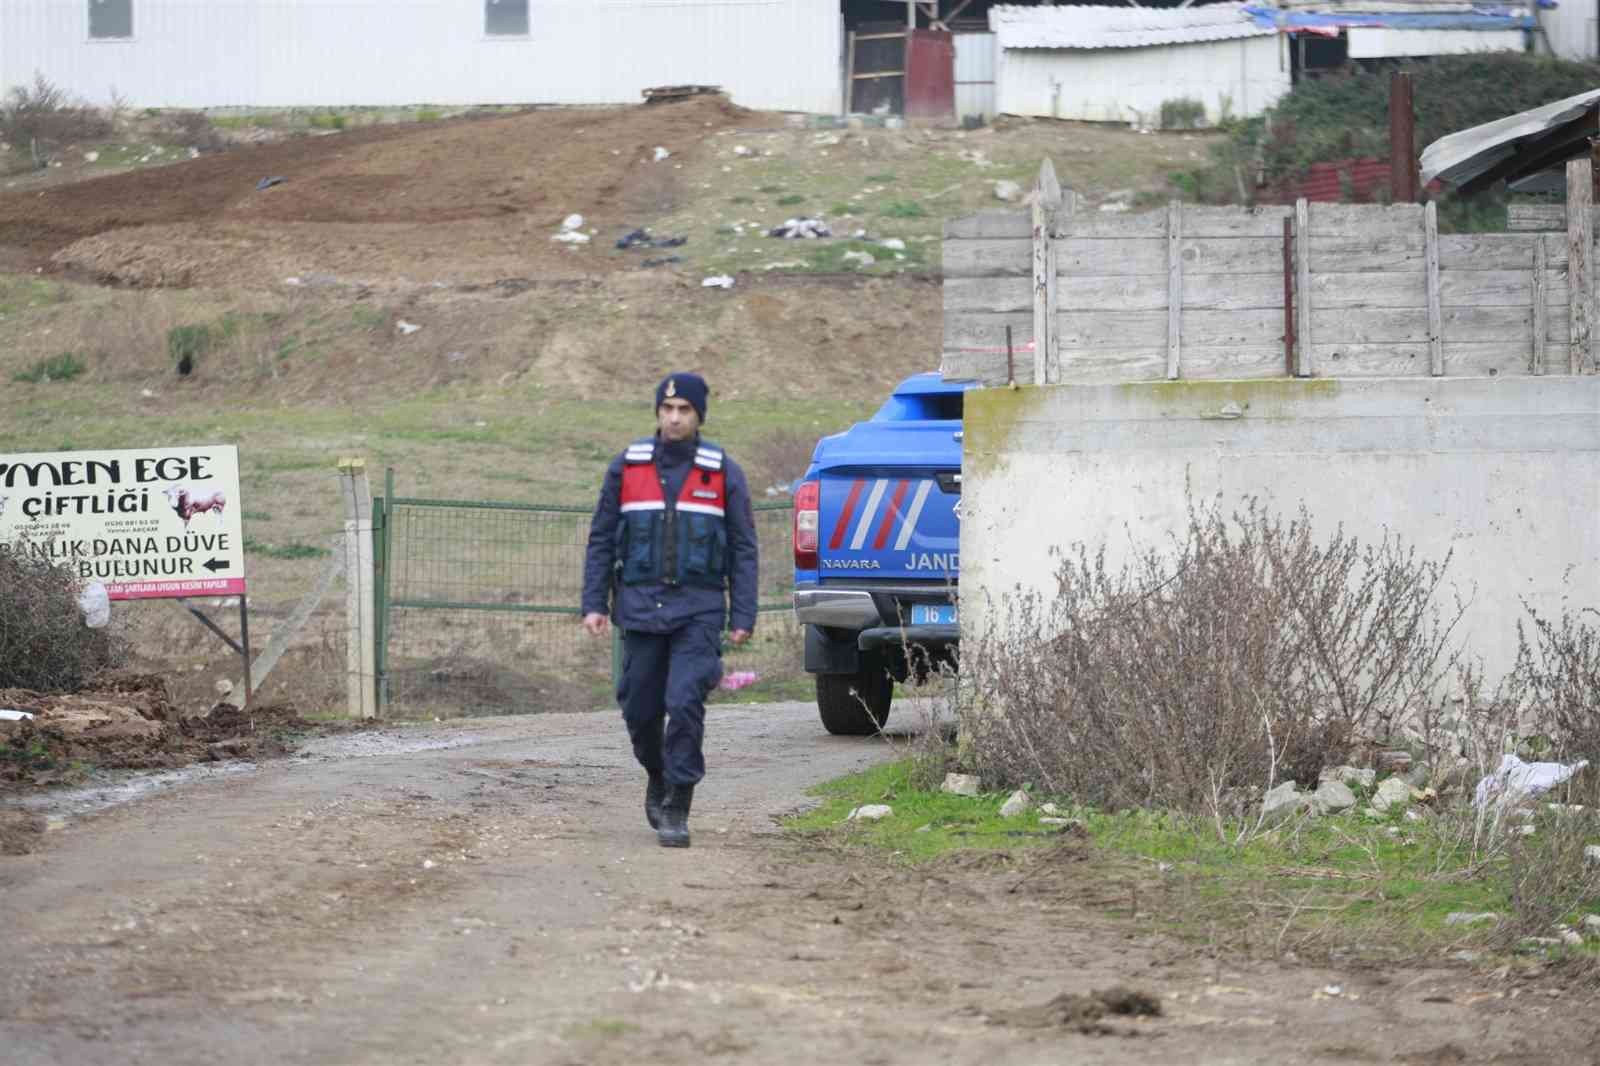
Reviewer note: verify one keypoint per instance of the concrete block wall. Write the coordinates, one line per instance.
(1504, 471)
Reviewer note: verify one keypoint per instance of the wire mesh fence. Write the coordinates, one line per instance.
(480, 608)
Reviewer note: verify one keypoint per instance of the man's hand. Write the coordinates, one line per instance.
(739, 636)
(596, 624)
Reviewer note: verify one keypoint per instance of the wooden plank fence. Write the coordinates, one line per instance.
(1200, 292)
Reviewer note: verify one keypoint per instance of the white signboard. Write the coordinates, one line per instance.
(148, 523)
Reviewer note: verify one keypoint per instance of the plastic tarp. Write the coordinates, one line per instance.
(1464, 155)
(1479, 18)
(1515, 781)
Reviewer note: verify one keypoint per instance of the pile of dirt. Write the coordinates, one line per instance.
(130, 723)
(1083, 1013)
(471, 199)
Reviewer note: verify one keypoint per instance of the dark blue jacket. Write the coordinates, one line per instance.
(659, 608)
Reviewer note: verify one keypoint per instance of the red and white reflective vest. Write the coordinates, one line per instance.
(685, 544)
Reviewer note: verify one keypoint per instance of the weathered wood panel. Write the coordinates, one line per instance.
(1410, 325)
(1000, 222)
(1413, 360)
(1361, 220)
(988, 258)
(1086, 329)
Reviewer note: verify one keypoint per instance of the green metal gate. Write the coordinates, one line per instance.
(477, 608)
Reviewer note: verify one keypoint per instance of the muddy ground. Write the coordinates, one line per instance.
(488, 893)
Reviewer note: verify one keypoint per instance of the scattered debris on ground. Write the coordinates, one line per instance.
(1084, 1013)
(130, 723)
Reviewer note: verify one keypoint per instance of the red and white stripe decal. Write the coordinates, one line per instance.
(844, 515)
(890, 513)
(910, 525)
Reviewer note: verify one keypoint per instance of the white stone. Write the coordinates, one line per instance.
(894, 244)
(870, 813)
(1572, 938)
(1049, 808)
(91, 157)
(1470, 917)
(1018, 803)
(1392, 792)
(1591, 922)
(572, 222)
(717, 281)
(861, 259)
(661, 153)
(1332, 797)
(571, 237)
(1282, 803)
(1591, 853)
(406, 328)
(223, 687)
(1349, 776)
(741, 150)
(1009, 191)
(960, 784)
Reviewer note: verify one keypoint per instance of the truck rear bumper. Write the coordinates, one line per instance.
(841, 608)
(930, 637)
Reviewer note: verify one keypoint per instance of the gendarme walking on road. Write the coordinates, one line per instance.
(672, 550)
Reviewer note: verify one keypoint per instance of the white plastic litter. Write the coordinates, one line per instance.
(406, 328)
(661, 153)
(572, 222)
(15, 716)
(894, 244)
(1516, 780)
(717, 281)
(95, 603)
(570, 236)
(801, 229)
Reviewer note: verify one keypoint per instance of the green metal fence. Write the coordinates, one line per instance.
(477, 608)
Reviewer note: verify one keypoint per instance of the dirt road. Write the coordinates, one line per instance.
(488, 893)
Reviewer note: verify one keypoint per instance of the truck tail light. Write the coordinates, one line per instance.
(806, 523)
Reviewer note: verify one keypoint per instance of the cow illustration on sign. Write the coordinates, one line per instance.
(188, 503)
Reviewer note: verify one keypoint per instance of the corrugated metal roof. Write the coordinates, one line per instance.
(1119, 27)
(1544, 137)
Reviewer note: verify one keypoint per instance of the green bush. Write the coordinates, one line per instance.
(63, 367)
(44, 645)
(186, 344)
(333, 121)
(1346, 114)
(904, 209)
(1183, 113)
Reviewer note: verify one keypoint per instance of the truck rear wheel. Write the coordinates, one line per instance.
(855, 705)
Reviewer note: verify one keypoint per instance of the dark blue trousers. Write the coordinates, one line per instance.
(665, 680)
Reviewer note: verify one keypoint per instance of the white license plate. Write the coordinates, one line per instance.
(933, 614)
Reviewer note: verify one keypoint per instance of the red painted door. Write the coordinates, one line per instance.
(930, 74)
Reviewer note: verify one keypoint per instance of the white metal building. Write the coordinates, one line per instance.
(768, 54)
(1119, 64)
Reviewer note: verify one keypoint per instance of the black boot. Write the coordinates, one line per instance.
(655, 794)
(674, 831)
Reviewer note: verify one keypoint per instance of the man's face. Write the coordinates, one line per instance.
(677, 420)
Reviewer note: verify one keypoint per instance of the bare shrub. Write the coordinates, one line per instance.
(1550, 880)
(194, 129)
(44, 645)
(1561, 665)
(43, 115)
(1247, 654)
(777, 458)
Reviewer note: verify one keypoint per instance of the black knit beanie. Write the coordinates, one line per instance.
(691, 387)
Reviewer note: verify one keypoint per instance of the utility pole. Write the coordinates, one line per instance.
(1402, 140)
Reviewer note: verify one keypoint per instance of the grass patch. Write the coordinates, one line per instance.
(428, 115)
(327, 121)
(903, 209)
(881, 179)
(63, 367)
(291, 550)
(769, 189)
(1342, 883)
(600, 1029)
(790, 200)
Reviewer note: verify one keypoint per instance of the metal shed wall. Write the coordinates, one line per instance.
(1242, 77)
(975, 62)
(1381, 43)
(769, 54)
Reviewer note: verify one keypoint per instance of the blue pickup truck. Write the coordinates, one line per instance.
(877, 536)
